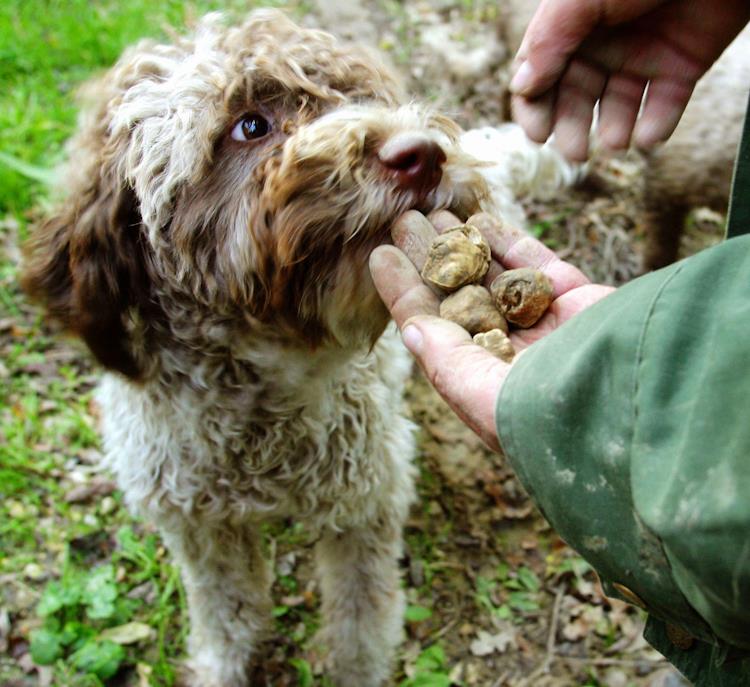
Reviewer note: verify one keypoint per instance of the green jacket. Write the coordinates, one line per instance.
(630, 428)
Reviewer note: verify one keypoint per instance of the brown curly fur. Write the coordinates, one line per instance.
(224, 284)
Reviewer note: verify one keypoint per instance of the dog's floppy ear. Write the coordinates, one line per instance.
(87, 265)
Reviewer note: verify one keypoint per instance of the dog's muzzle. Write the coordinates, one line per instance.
(413, 161)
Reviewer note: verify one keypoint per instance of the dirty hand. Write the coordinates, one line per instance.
(467, 376)
(579, 52)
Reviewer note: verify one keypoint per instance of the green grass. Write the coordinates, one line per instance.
(47, 49)
(79, 576)
(51, 549)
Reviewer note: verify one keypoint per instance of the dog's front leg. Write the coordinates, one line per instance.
(363, 602)
(228, 591)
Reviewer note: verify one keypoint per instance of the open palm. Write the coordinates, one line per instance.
(464, 374)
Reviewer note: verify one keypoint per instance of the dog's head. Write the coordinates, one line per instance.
(244, 174)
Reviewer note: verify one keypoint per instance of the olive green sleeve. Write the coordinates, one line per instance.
(630, 428)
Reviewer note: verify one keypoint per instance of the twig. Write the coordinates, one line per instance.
(551, 654)
(551, 637)
(501, 679)
(623, 662)
(445, 629)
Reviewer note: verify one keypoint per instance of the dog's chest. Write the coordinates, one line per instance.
(252, 451)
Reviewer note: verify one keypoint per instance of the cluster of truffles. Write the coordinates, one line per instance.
(457, 263)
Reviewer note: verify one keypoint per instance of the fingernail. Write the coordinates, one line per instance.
(647, 134)
(412, 338)
(522, 78)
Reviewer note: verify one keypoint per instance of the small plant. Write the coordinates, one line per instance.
(430, 669)
(76, 609)
(416, 614)
(523, 588)
(509, 592)
(304, 672)
(89, 618)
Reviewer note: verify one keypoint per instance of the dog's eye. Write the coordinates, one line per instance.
(251, 127)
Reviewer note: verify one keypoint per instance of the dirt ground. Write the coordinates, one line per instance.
(458, 55)
(508, 603)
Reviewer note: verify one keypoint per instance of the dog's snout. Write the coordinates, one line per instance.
(415, 161)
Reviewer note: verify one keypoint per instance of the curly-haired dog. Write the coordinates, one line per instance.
(223, 196)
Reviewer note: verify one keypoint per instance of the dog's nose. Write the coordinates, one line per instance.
(414, 160)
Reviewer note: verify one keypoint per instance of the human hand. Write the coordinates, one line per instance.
(579, 52)
(464, 374)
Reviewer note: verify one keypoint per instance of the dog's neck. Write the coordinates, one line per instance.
(252, 367)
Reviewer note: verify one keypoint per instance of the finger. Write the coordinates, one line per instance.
(413, 234)
(495, 270)
(400, 287)
(534, 116)
(618, 110)
(665, 102)
(514, 248)
(464, 374)
(556, 32)
(580, 88)
(442, 220)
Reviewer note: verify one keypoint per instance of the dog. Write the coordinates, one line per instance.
(222, 196)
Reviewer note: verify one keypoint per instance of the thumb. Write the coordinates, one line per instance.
(467, 376)
(556, 32)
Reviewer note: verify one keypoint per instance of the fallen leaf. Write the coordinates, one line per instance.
(286, 563)
(4, 630)
(26, 663)
(575, 630)
(589, 618)
(45, 675)
(293, 601)
(144, 674)
(486, 644)
(85, 492)
(129, 633)
(90, 456)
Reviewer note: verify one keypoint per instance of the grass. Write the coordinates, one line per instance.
(52, 549)
(91, 595)
(47, 49)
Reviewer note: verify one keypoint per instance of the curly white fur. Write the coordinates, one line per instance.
(225, 285)
(518, 168)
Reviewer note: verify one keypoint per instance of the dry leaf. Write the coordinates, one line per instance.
(4, 630)
(85, 492)
(129, 633)
(144, 674)
(486, 644)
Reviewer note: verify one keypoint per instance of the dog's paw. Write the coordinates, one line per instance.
(357, 675)
(347, 667)
(196, 674)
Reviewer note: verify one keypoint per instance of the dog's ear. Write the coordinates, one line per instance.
(87, 265)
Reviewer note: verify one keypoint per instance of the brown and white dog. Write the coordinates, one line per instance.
(223, 194)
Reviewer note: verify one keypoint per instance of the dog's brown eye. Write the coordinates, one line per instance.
(251, 127)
